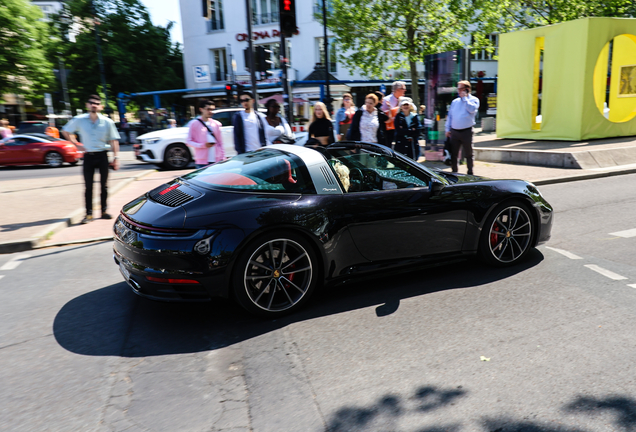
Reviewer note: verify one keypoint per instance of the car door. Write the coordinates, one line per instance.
(16, 150)
(397, 216)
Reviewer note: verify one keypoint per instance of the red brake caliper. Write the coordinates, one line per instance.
(494, 238)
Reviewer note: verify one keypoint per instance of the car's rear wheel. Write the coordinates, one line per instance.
(53, 159)
(177, 156)
(275, 274)
(507, 235)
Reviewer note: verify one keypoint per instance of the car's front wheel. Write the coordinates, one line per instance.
(275, 274)
(53, 159)
(507, 234)
(177, 156)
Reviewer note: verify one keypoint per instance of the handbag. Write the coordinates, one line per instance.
(284, 139)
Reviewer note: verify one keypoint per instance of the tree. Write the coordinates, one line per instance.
(138, 56)
(23, 67)
(375, 36)
(509, 15)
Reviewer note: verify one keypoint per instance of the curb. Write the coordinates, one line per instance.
(73, 218)
(589, 176)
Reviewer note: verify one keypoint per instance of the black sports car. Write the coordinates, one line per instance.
(268, 227)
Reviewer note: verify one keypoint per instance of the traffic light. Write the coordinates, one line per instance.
(287, 10)
(239, 89)
(228, 94)
(207, 9)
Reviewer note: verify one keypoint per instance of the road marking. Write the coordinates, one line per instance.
(626, 234)
(1, 276)
(605, 272)
(632, 285)
(564, 252)
(12, 264)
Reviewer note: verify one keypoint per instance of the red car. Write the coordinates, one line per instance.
(37, 149)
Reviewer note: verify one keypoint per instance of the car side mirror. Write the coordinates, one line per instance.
(435, 186)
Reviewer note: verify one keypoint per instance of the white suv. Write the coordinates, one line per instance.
(168, 148)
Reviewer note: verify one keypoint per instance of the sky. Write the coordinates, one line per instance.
(162, 11)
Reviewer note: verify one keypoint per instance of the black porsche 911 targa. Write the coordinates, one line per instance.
(269, 227)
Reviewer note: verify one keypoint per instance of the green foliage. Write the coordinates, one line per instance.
(138, 56)
(377, 36)
(23, 66)
(509, 15)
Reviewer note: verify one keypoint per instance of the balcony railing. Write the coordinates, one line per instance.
(266, 18)
(214, 25)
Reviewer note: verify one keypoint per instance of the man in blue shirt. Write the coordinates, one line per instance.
(459, 125)
(99, 135)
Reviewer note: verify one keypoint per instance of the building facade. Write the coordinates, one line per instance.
(214, 50)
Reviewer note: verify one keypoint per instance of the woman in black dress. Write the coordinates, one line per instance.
(407, 129)
(321, 127)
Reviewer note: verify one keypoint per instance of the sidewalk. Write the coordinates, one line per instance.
(27, 226)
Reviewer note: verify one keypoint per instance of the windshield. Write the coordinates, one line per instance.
(264, 170)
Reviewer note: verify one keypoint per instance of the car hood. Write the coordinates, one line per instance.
(165, 133)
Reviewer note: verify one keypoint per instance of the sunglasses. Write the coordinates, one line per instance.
(93, 103)
(245, 100)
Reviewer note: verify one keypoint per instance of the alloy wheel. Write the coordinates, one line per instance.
(177, 157)
(510, 234)
(54, 159)
(278, 275)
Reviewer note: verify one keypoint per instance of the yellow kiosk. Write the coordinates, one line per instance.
(570, 81)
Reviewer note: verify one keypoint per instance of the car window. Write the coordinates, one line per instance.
(11, 142)
(370, 171)
(225, 118)
(266, 170)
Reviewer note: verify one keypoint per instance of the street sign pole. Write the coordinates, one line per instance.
(287, 94)
(248, 5)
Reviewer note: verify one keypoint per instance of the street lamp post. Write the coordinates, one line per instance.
(251, 56)
(326, 50)
(98, 42)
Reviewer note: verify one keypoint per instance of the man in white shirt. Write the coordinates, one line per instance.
(249, 126)
(459, 125)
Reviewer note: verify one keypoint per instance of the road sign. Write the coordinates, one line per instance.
(202, 74)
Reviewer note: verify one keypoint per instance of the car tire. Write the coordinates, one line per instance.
(176, 156)
(507, 235)
(53, 159)
(275, 274)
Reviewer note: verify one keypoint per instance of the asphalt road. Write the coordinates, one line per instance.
(545, 346)
(128, 164)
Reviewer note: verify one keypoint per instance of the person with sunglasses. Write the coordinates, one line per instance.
(249, 126)
(99, 136)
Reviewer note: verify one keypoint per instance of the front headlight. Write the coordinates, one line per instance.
(152, 140)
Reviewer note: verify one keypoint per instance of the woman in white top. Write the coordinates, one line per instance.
(276, 125)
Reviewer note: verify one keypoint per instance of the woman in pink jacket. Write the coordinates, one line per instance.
(205, 132)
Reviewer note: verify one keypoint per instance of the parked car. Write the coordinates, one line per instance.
(269, 227)
(37, 149)
(37, 126)
(168, 148)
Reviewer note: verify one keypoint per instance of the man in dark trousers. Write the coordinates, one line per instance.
(99, 136)
(459, 125)
(249, 126)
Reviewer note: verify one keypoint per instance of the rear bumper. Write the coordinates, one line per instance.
(189, 286)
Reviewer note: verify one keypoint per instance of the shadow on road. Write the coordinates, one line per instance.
(388, 412)
(17, 226)
(112, 321)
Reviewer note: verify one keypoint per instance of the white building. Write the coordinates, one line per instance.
(211, 47)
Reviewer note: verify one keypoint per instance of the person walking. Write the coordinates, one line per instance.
(321, 126)
(5, 131)
(368, 123)
(277, 129)
(204, 133)
(459, 125)
(390, 106)
(99, 136)
(344, 116)
(407, 129)
(249, 126)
